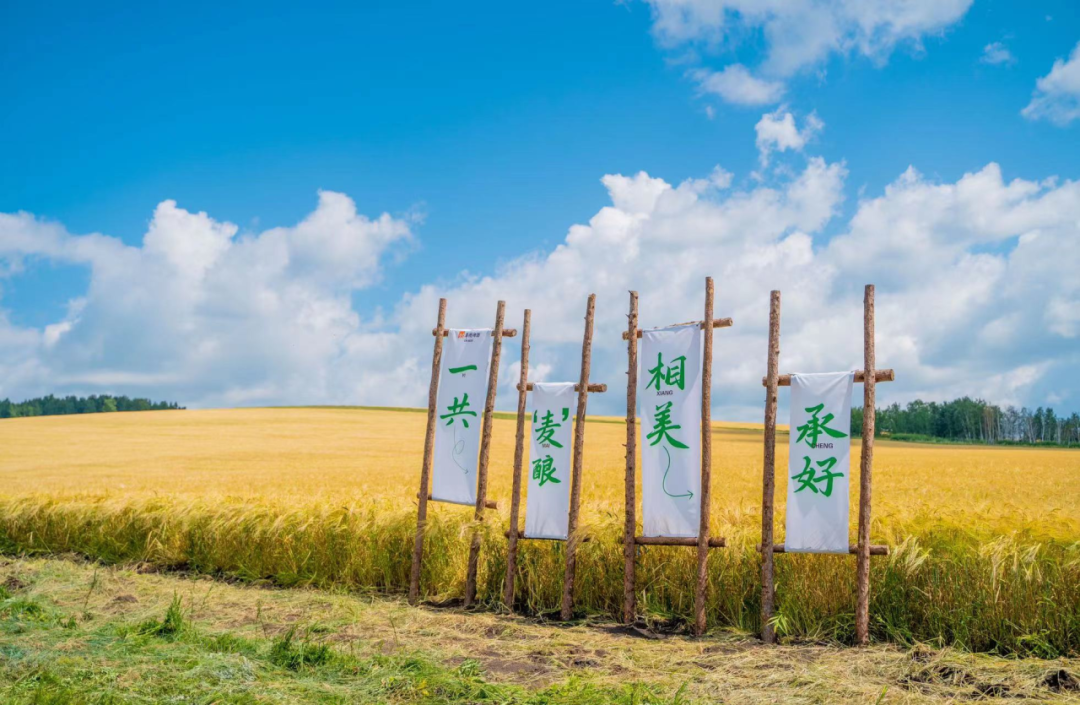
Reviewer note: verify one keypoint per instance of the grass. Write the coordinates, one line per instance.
(85, 642)
(985, 553)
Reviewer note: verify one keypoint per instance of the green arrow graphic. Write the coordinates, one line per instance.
(663, 484)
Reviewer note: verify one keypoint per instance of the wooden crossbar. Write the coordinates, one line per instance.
(594, 388)
(522, 537)
(717, 542)
(853, 549)
(488, 503)
(507, 332)
(860, 378)
(717, 323)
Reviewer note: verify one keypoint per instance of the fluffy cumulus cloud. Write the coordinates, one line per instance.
(1057, 94)
(777, 132)
(977, 292)
(200, 312)
(799, 35)
(976, 287)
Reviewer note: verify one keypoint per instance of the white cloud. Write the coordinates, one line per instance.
(735, 85)
(977, 294)
(777, 132)
(996, 53)
(798, 35)
(1057, 94)
(957, 265)
(200, 312)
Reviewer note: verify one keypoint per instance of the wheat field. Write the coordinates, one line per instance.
(985, 541)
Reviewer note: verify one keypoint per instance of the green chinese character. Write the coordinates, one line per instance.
(544, 471)
(809, 476)
(814, 427)
(458, 409)
(674, 375)
(663, 427)
(545, 432)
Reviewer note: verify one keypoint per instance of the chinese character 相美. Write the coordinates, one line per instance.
(808, 476)
(674, 375)
(663, 427)
(814, 427)
(544, 470)
(545, 432)
(458, 409)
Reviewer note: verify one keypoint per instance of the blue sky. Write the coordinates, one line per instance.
(485, 135)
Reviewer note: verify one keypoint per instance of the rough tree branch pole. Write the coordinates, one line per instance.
(630, 527)
(485, 454)
(519, 452)
(706, 464)
(768, 634)
(866, 467)
(869, 376)
(703, 541)
(425, 470)
(579, 447)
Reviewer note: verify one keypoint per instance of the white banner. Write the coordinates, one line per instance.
(459, 412)
(670, 396)
(547, 508)
(819, 460)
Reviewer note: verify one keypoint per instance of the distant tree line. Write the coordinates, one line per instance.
(973, 421)
(58, 406)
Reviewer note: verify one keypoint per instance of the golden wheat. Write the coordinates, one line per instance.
(984, 538)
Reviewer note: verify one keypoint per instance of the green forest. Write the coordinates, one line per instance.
(58, 406)
(970, 420)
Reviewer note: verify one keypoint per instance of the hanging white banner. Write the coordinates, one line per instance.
(670, 394)
(459, 412)
(547, 507)
(819, 463)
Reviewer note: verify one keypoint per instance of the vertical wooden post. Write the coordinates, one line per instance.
(706, 462)
(629, 549)
(768, 484)
(485, 452)
(519, 452)
(425, 469)
(862, 612)
(579, 442)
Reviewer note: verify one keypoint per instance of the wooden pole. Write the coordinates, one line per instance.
(485, 452)
(425, 469)
(768, 484)
(579, 443)
(706, 464)
(630, 530)
(519, 452)
(862, 612)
